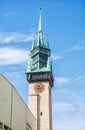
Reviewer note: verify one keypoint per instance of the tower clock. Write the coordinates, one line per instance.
(39, 87)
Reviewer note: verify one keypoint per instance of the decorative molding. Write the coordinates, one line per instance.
(40, 76)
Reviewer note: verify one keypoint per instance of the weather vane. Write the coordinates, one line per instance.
(40, 9)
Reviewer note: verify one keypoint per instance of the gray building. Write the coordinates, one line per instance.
(14, 113)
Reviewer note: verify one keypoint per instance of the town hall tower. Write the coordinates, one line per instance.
(40, 79)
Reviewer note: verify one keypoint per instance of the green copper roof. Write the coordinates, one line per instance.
(39, 70)
(40, 53)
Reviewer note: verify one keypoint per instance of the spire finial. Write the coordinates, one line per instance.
(33, 43)
(40, 20)
(40, 32)
(47, 42)
(40, 8)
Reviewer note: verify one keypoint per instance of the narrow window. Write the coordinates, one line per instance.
(41, 113)
(28, 127)
(1, 126)
(5, 127)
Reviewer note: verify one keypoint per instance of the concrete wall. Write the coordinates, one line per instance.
(14, 113)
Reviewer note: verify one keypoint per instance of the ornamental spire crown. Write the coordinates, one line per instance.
(40, 52)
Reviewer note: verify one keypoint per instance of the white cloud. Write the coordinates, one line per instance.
(61, 80)
(68, 115)
(76, 47)
(56, 57)
(69, 124)
(11, 56)
(77, 79)
(63, 107)
(2, 13)
(7, 37)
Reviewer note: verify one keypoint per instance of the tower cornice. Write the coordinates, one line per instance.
(46, 76)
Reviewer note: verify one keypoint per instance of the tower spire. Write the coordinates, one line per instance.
(40, 32)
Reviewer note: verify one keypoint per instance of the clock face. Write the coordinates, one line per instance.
(39, 87)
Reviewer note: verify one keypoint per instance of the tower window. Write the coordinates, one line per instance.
(41, 113)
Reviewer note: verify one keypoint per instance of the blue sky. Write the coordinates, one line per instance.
(64, 21)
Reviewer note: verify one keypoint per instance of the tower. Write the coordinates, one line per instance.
(40, 79)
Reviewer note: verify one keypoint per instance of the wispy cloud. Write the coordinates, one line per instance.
(77, 79)
(70, 113)
(4, 13)
(69, 124)
(9, 14)
(76, 47)
(8, 37)
(61, 80)
(56, 56)
(74, 102)
(63, 106)
(11, 56)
